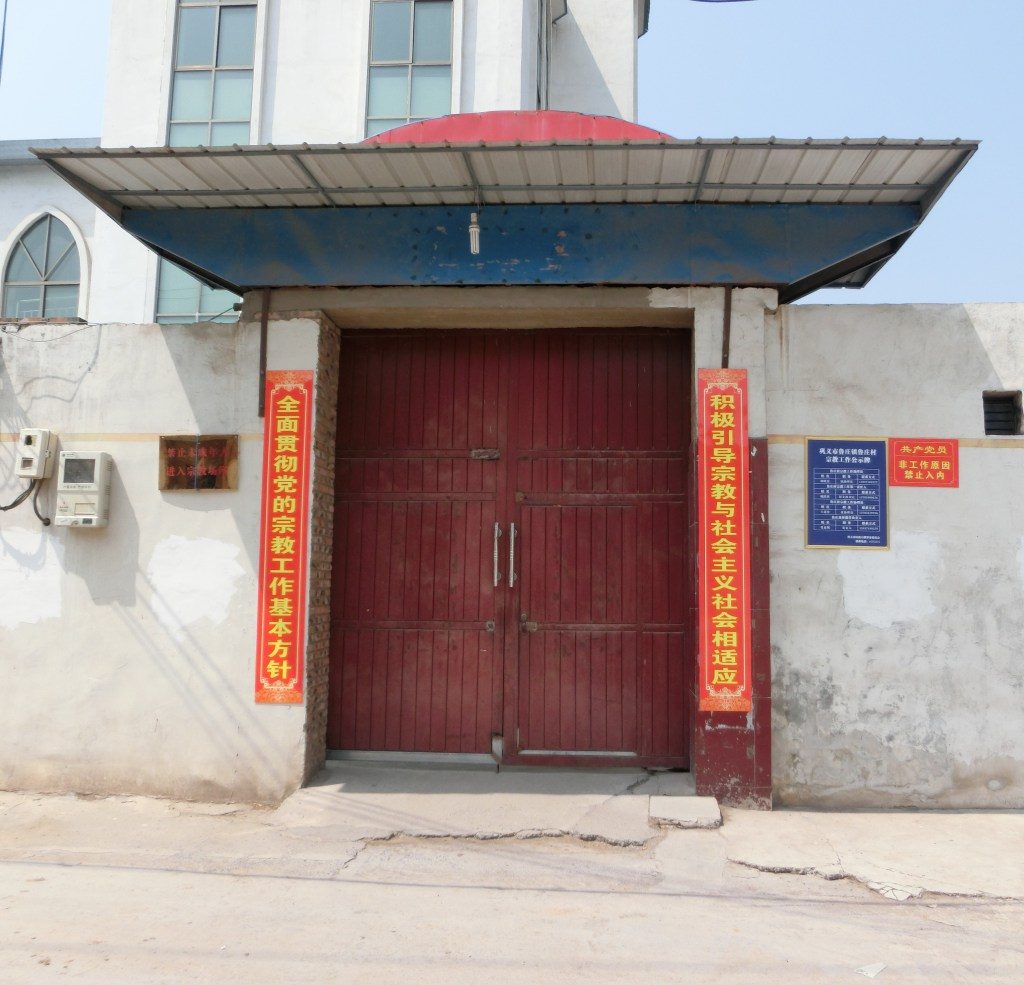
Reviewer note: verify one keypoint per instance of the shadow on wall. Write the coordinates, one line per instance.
(198, 693)
(470, 32)
(107, 570)
(575, 72)
(218, 371)
(259, 767)
(40, 385)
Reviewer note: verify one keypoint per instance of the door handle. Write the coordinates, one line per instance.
(511, 555)
(497, 565)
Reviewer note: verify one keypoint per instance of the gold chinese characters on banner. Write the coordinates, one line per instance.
(284, 526)
(724, 522)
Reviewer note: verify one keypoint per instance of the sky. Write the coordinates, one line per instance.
(785, 68)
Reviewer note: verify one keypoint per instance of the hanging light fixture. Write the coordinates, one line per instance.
(474, 233)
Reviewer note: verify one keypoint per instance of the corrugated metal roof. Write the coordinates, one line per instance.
(872, 171)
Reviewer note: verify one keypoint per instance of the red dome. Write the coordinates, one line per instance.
(516, 126)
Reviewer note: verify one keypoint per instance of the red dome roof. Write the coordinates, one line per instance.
(519, 126)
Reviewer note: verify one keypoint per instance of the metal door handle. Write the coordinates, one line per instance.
(511, 555)
(497, 567)
(526, 626)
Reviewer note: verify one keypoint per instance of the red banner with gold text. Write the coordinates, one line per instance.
(284, 519)
(723, 495)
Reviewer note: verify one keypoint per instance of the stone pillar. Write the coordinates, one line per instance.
(731, 752)
(318, 635)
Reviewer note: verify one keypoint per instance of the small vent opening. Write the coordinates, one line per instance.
(1003, 412)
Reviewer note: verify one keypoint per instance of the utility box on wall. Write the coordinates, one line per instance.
(36, 453)
(83, 489)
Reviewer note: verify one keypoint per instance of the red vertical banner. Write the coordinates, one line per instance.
(284, 530)
(723, 495)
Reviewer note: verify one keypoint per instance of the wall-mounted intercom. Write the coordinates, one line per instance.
(83, 489)
(37, 450)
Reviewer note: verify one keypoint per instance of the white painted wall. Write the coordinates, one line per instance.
(497, 47)
(127, 652)
(314, 87)
(593, 66)
(312, 65)
(30, 189)
(899, 675)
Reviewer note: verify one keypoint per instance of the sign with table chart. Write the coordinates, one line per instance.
(847, 504)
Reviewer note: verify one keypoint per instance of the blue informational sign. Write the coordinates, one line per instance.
(847, 493)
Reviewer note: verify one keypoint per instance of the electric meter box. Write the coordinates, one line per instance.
(37, 452)
(83, 489)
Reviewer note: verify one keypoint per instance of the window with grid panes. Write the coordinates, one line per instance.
(410, 75)
(42, 276)
(211, 104)
(211, 91)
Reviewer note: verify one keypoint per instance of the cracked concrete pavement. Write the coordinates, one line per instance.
(379, 875)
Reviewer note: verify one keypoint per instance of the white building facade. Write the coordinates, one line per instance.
(292, 71)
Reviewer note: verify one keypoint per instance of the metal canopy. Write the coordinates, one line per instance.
(868, 172)
(138, 186)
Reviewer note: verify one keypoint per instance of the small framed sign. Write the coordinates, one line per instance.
(921, 462)
(847, 493)
(198, 461)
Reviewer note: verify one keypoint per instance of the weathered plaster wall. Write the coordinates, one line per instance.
(899, 675)
(127, 653)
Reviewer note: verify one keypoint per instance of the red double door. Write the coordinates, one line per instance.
(510, 551)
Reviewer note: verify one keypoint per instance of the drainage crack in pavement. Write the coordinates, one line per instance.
(524, 834)
(830, 876)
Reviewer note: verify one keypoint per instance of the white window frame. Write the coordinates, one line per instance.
(458, 16)
(258, 59)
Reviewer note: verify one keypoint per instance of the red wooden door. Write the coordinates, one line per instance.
(599, 432)
(416, 626)
(582, 658)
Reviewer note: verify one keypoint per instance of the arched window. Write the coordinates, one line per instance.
(42, 275)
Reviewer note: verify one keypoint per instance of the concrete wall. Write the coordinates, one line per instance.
(128, 652)
(899, 674)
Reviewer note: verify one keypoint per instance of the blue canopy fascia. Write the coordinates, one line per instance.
(794, 248)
